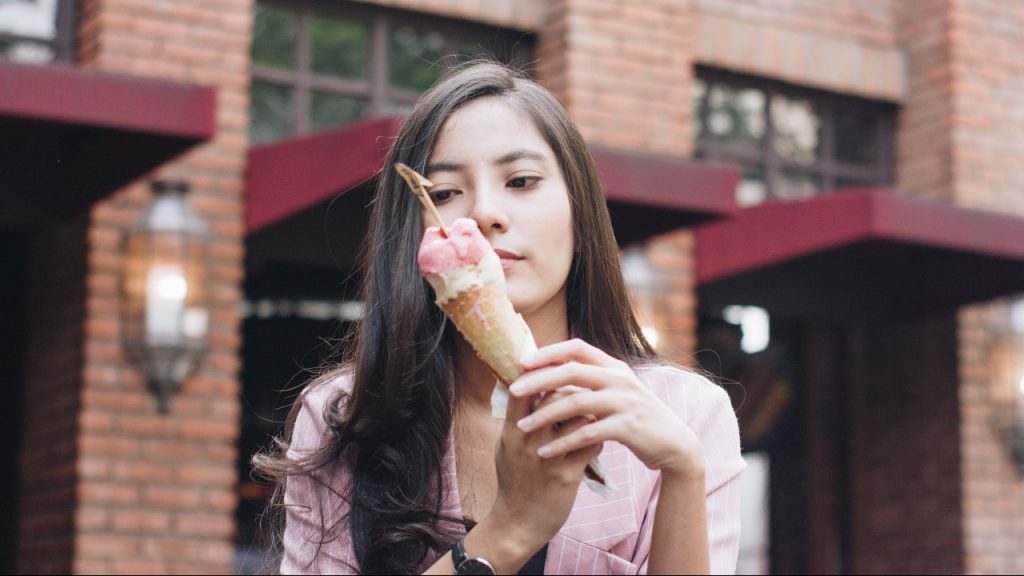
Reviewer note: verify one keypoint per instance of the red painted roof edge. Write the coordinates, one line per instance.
(289, 176)
(286, 177)
(655, 180)
(66, 94)
(775, 232)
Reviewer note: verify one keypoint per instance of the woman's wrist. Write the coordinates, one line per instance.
(685, 466)
(504, 544)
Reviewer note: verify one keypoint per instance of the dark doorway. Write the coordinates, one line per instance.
(295, 320)
(14, 247)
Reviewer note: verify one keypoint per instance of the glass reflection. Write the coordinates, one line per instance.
(339, 47)
(415, 58)
(734, 115)
(797, 129)
(273, 37)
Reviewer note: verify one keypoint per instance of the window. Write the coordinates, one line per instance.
(315, 66)
(791, 142)
(36, 31)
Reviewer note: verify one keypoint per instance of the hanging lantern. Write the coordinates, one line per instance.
(164, 294)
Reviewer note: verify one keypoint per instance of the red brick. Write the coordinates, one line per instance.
(98, 546)
(204, 525)
(93, 492)
(172, 497)
(222, 475)
(138, 521)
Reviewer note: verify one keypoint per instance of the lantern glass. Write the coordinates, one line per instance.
(166, 314)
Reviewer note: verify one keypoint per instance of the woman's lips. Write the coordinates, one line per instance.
(508, 258)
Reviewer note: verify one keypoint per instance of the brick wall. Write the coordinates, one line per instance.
(844, 46)
(904, 457)
(156, 493)
(523, 15)
(986, 126)
(632, 95)
(53, 380)
(923, 140)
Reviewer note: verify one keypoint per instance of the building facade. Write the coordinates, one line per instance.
(840, 180)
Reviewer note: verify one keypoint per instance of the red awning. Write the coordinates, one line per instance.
(284, 178)
(70, 136)
(859, 253)
(647, 194)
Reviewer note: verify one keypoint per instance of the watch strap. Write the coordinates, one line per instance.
(469, 565)
(459, 553)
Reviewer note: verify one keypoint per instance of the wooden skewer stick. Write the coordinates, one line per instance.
(418, 184)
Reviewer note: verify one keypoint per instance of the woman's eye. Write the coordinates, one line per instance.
(523, 182)
(442, 196)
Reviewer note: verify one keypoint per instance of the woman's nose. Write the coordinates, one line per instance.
(488, 211)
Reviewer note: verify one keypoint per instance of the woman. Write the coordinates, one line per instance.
(394, 455)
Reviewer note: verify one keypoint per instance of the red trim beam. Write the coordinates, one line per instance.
(287, 177)
(647, 194)
(860, 252)
(72, 136)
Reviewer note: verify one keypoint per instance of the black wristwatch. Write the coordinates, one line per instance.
(469, 565)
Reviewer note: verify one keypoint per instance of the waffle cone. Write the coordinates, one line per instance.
(500, 337)
(486, 319)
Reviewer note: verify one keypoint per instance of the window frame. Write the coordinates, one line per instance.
(826, 167)
(375, 90)
(65, 38)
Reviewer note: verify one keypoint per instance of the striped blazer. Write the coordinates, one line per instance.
(601, 536)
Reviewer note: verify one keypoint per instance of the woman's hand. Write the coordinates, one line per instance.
(612, 404)
(534, 491)
(535, 494)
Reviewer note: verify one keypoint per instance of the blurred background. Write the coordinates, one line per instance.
(820, 203)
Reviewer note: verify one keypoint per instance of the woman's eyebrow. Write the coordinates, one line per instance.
(507, 158)
(520, 154)
(444, 167)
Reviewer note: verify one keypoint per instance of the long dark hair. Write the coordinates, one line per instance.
(393, 427)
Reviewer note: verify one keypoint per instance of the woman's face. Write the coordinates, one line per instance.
(491, 164)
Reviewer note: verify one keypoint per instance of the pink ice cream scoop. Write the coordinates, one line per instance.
(464, 245)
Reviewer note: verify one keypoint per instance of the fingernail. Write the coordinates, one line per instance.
(545, 451)
(525, 424)
(516, 388)
(528, 359)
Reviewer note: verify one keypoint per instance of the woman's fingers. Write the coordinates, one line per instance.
(574, 350)
(555, 377)
(577, 404)
(518, 407)
(588, 435)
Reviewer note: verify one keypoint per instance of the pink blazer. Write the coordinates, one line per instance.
(601, 536)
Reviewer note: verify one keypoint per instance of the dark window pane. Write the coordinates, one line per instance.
(698, 91)
(797, 129)
(339, 47)
(853, 183)
(328, 110)
(856, 137)
(415, 58)
(733, 115)
(795, 185)
(273, 40)
(270, 112)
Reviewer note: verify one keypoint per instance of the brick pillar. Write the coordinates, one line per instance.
(961, 133)
(987, 128)
(923, 142)
(53, 380)
(156, 493)
(904, 456)
(628, 94)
